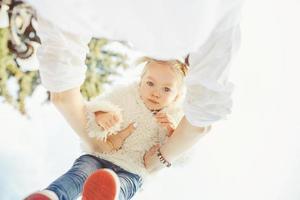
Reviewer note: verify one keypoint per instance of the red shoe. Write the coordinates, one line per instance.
(37, 196)
(103, 184)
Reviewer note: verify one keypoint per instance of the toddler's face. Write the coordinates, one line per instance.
(159, 86)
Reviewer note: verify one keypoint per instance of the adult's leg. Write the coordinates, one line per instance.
(69, 185)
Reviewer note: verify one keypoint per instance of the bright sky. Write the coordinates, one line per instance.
(252, 155)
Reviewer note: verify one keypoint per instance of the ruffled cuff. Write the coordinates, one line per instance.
(93, 129)
(62, 57)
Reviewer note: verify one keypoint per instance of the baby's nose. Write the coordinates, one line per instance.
(155, 94)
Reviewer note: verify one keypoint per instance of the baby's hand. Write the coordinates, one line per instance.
(106, 120)
(118, 139)
(164, 120)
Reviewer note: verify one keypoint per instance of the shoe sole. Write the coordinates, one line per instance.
(101, 185)
(37, 196)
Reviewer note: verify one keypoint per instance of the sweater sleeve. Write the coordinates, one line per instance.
(101, 103)
(62, 57)
(113, 101)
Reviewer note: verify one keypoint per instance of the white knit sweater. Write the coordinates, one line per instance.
(126, 100)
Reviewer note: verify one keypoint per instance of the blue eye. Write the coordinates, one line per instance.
(166, 89)
(149, 83)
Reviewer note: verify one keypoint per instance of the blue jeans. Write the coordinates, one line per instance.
(69, 185)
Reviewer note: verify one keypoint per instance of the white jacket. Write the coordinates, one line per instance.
(126, 100)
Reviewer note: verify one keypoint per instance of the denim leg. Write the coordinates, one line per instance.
(129, 183)
(69, 185)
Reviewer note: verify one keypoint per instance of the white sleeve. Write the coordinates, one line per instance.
(101, 104)
(176, 28)
(109, 102)
(208, 97)
(62, 57)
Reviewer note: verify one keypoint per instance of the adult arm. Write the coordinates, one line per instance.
(182, 139)
(62, 69)
(71, 105)
(208, 97)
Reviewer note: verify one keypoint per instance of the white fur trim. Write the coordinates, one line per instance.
(92, 127)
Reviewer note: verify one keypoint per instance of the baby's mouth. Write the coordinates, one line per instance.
(152, 101)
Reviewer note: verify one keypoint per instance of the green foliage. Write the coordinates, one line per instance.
(27, 81)
(101, 64)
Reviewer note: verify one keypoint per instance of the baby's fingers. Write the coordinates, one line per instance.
(117, 116)
(106, 125)
(162, 120)
(165, 124)
(161, 114)
(132, 127)
(102, 125)
(163, 117)
(111, 122)
(128, 130)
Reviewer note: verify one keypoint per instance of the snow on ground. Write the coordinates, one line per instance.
(252, 155)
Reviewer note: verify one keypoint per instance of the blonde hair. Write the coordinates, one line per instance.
(180, 67)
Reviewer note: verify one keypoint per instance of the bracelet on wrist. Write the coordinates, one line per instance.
(162, 159)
